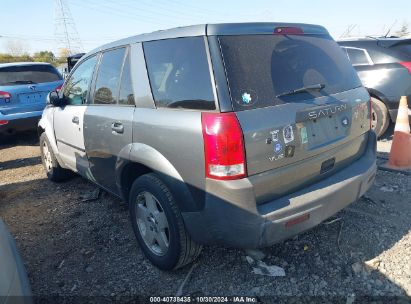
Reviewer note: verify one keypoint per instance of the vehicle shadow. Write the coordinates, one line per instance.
(22, 162)
(27, 138)
(72, 246)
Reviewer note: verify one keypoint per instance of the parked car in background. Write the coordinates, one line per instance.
(384, 67)
(23, 91)
(72, 60)
(14, 283)
(233, 134)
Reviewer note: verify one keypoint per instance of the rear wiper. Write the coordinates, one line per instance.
(312, 87)
(21, 82)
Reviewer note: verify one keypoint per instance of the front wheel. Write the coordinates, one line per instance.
(53, 169)
(158, 224)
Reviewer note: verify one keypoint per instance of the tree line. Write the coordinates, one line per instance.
(42, 56)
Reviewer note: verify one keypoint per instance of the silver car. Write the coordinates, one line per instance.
(235, 134)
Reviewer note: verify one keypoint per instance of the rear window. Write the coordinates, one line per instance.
(179, 73)
(261, 67)
(26, 74)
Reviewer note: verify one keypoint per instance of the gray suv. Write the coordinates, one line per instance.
(234, 134)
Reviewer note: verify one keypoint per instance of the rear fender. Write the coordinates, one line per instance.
(151, 158)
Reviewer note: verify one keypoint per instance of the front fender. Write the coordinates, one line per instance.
(46, 124)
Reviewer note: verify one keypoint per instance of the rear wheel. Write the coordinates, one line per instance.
(379, 116)
(53, 169)
(158, 224)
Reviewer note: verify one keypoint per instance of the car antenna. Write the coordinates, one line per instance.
(390, 28)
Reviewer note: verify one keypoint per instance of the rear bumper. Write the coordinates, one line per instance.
(231, 218)
(20, 122)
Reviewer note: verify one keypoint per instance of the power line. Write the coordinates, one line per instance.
(65, 30)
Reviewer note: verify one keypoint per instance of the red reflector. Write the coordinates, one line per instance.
(58, 88)
(288, 30)
(223, 146)
(407, 65)
(3, 122)
(5, 95)
(297, 220)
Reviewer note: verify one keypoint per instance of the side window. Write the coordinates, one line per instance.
(76, 88)
(179, 73)
(126, 96)
(358, 56)
(108, 77)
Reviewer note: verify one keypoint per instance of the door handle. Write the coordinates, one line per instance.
(117, 127)
(75, 120)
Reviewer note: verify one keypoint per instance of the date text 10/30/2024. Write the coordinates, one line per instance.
(203, 299)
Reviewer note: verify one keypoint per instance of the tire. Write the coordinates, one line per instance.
(380, 118)
(158, 224)
(53, 169)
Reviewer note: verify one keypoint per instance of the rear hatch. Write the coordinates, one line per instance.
(300, 104)
(24, 88)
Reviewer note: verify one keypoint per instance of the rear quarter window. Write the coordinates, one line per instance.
(179, 73)
(261, 67)
(26, 74)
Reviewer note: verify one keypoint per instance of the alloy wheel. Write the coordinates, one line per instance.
(152, 223)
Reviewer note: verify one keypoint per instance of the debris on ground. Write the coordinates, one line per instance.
(261, 268)
(91, 196)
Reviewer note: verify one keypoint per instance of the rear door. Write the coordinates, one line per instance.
(300, 104)
(69, 120)
(108, 119)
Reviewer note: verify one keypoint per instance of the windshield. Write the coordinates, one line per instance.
(262, 69)
(26, 74)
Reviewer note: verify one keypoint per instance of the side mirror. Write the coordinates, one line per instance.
(54, 99)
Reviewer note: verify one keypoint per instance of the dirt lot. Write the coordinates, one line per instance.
(74, 245)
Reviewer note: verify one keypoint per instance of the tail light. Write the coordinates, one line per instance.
(223, 146)
(58, 88)
(5, 95)
(3, 122)
(406, 65)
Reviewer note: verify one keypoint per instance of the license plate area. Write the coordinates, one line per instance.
(29, 98)
(325, 130)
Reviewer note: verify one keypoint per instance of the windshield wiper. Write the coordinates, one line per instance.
(316, 87)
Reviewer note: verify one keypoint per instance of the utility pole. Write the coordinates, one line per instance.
(65, 30)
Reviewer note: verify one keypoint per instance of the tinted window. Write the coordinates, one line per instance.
(126, 96)
(76, 87)
(15, 75)
(179, 73)
(108, 77)
(357, 56)
(261, 67)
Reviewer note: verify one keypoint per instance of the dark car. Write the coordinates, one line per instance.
(234, 134)
(384, 67)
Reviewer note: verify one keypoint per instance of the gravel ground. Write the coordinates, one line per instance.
(74, 245)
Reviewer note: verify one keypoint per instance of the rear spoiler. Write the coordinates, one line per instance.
(387, 43)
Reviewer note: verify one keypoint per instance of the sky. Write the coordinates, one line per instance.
(30, 25)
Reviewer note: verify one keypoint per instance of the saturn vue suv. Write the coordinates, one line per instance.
(23, 91)
(384, 67)
(234, 134)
